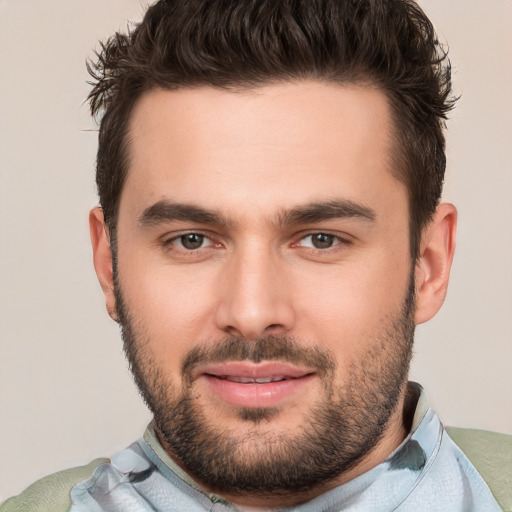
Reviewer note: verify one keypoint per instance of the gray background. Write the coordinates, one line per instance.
(65, 393)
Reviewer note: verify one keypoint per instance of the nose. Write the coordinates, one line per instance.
(254, 299)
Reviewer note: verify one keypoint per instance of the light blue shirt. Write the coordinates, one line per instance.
(426, 473)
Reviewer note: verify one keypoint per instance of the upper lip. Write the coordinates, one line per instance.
(249, 369)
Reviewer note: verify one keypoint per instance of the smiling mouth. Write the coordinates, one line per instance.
(254, 380)
(256, 385)
(245, 372)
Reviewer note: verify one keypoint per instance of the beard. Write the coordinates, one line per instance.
(340, 429)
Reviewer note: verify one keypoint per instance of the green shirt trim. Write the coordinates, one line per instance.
(491, 454)
(50, 494)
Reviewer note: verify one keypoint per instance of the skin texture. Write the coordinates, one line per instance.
(255, 161)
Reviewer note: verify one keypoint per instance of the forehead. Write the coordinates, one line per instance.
(268, 148)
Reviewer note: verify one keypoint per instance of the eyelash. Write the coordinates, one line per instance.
(171, 242)
(338, 243)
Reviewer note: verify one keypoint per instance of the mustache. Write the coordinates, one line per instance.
(269, 348)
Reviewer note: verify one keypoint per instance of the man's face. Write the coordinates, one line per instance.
(263, 280)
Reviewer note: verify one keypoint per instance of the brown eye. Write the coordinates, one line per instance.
(192, 241)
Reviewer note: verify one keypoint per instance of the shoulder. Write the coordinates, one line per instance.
(491, 455)
(50, 494)
(491, 449)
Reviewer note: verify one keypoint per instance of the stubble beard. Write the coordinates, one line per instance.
(338, 432)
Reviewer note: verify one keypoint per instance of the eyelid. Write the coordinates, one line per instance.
(341, 238)
(168, 241)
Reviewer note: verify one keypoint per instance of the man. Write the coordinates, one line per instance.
(269, 235)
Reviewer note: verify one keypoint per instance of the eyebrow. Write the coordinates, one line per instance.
(167, 211)
(318, 212)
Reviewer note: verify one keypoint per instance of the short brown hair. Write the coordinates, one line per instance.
(246, 43)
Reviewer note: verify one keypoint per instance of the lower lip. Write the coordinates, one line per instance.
(256, 395)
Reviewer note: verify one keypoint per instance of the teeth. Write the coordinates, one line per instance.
(259, 380)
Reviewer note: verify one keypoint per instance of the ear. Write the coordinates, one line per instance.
(434, 263)
(102, 255)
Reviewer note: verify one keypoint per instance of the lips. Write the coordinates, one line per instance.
(261, 385)
(250, 380)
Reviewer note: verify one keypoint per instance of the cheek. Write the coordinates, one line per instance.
(346, 310)
(172, 305)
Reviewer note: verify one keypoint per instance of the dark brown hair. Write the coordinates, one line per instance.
(236, 44)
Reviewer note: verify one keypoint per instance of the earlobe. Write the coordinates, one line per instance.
(102, 256)
(434, 262)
